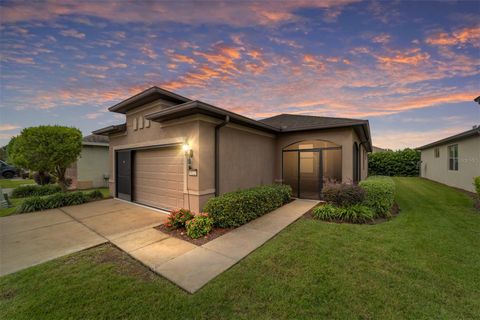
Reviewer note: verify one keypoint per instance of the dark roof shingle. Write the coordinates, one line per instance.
(294, 122)
(96, 138)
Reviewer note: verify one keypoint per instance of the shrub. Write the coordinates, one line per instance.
(394, 163)
(35, 190)
(342, 194)
(354, 214)
(379, 194)
(234, 209)
(178, 218)
(57, 200)
(199, 226)
(95, 195)
(476, 183)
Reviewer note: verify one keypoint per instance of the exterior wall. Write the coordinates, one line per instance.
(92, 166)
(468, 164)
(247, 158)
(174, 132)
(341, 136)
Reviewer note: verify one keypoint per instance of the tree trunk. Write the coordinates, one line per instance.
(61, 179)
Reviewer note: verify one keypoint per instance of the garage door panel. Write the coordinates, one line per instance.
(158, 177)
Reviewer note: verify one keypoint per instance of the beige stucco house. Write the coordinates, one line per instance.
(453, 161)
(174, 152)
(91, 170)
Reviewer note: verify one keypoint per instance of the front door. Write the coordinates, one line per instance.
(124, 175)
(309, 174)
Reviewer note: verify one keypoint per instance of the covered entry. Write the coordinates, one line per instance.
(151, 176)
(308, 165)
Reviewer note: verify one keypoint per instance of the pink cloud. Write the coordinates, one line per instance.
(469, 35)
(8, 127)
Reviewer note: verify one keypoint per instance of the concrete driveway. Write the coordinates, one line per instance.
(34, 238)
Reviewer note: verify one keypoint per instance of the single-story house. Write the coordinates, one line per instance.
(175, 152)
(454, 160)
(91, 170)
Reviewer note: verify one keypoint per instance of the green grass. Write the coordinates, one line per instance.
(8, 183)
(17, 202)
(423, 264)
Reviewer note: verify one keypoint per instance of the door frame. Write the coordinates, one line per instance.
(320, 156)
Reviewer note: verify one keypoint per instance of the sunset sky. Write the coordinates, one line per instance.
(411, 68)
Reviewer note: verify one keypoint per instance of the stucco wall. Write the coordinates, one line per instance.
(247, 158)
(91, 166)
(468, 164)
(342, 136)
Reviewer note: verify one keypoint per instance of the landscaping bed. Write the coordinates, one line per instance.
(181, 233)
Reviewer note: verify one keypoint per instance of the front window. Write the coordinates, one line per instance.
(453, 157)
(437, 152)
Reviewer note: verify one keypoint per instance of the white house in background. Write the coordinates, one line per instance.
(453, 161)
(92, 167)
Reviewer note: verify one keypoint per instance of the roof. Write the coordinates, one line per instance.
(277, 124)
(475, 131)
(195, 107)
(147, 96)
(293, 122)
(477, 99)
(119, 128)
(96, 138)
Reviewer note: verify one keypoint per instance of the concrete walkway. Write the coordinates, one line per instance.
(32, 238)
(190, 266)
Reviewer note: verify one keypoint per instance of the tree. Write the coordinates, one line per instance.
(46, 149)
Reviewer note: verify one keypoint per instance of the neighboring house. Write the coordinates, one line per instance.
(453, 161)
(92, 167)
(224, 151)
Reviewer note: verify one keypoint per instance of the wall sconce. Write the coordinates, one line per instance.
(188, 154)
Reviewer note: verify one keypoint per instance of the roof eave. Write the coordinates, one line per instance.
(111, 130)
(147, 96)
(457, 137)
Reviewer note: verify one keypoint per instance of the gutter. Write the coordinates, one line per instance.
(217, 154)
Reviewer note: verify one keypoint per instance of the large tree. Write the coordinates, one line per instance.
(46, 149)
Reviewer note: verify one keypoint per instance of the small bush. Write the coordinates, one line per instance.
(379, 195)
(234, 209)
(342, 194)
(35, 190)
(199, 226)
(95, 195)
(57, 200)
(476, 183)
(178, 218)
(353, 214)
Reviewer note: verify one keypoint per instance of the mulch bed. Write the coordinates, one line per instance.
(182, 234)
(395, 210)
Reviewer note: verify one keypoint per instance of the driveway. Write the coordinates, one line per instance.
(34, 238)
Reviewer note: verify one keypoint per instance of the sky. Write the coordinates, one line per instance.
(410, 67)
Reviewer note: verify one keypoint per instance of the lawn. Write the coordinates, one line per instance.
(9, 183)
(425, 263)
(17, 202)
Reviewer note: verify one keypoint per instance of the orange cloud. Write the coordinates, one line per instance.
(470, 35)
(8, 127)
(411, 57)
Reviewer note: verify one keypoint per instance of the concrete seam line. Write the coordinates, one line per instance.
(79, 221)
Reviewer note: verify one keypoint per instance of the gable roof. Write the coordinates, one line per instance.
(96, 138)
(119, 128)
(147, 96)
(475, 131)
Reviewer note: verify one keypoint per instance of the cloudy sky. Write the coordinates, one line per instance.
(411, 68)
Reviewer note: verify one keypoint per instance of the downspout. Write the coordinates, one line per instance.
(217, 154)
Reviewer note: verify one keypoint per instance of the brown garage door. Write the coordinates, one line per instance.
(158, 177)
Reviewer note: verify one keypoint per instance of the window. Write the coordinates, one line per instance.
(437, 152)
(453, 157)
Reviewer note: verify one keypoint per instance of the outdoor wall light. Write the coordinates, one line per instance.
(188, 154)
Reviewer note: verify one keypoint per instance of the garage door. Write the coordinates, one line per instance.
(158, 177)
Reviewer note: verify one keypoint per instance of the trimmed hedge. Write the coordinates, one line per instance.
(234, 209)
(199, 226)
(57, 200)
(379, 194)
(353, 214)
(394, 163)
(35, 190)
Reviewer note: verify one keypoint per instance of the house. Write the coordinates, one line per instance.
(378, 149)
(454, 160)
(175, 152)
(92, 167)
